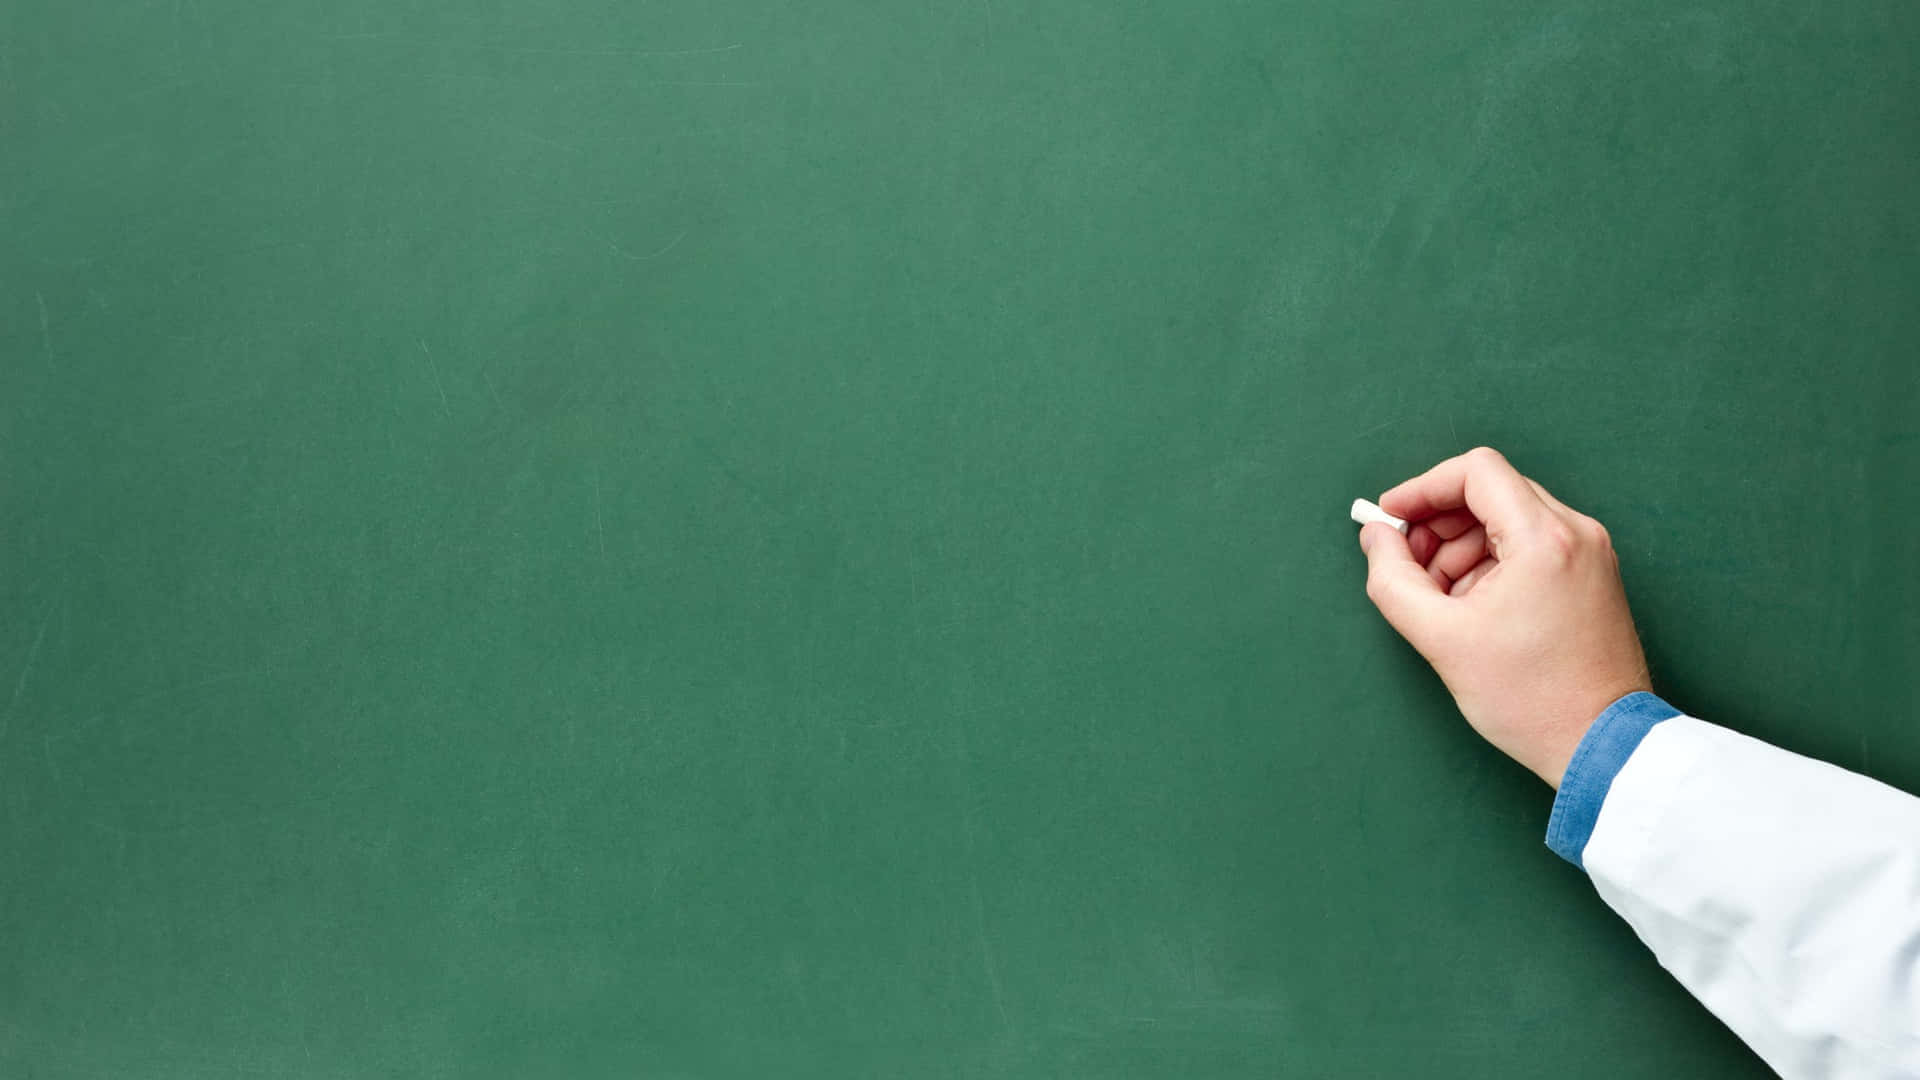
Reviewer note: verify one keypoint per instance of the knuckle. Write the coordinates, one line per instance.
(1486, 455)
(1560, 541)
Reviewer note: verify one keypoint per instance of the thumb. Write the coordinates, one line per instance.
(1406, 594)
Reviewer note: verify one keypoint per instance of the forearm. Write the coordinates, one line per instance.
(1783, 892)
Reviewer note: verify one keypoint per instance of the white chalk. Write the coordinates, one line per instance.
(1365, 512)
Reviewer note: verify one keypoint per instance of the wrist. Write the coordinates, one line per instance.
(1558, 751)
(1552, 764)
(1588, 775)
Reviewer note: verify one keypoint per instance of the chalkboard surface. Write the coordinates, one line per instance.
(733, 538)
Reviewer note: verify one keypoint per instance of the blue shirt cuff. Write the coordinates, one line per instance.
(1602, 752)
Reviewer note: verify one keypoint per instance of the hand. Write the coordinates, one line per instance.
(1513, 598)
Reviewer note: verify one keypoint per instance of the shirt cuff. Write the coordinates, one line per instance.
(1602, 752)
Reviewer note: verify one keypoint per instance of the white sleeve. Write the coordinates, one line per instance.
(1783, 892)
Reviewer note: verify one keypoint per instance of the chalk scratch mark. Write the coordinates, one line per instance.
(1375, 429)
(986, 953)
(46, 329)
(491, 392)
(740, 481)
(434, 365)
(662, 253)
(26, 670)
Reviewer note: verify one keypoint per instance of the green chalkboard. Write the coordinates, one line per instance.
(733, 538)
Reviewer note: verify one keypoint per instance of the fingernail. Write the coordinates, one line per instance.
(1366, 541)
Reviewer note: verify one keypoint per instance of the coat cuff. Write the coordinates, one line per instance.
(1602, 752)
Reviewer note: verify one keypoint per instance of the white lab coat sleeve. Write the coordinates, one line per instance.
(1782, 892)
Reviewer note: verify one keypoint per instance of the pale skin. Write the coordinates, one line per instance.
(1514, 598)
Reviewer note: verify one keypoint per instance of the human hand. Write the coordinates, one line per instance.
(1515, 600)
